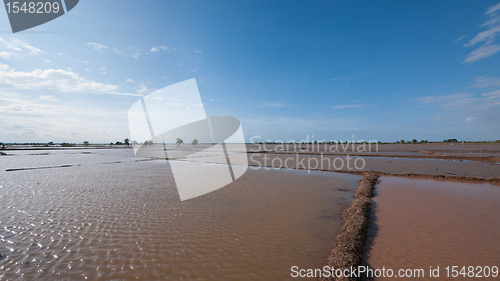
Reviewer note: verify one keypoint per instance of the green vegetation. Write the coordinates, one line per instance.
(179, 141)
(86, 143)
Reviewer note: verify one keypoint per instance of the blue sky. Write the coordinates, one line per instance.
(378, 70)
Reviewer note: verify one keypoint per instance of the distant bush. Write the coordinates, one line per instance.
(67, 144)
(451, 140)
(414, 141)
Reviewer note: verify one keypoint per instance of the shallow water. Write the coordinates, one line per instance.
(420, 224)
(107, 216)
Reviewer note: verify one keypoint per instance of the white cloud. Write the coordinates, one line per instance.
(271, 104)
(346, 106)
(483, 82)
(143, 89)
(9, 45)
(48, 98)
(467, 106)
(460, 38)
(155, 49)
(493, 9)
(58, 79)
(492, 94)
(482, 52)
(102, 70)
(487, 37)
(33, 50)
(5, 55)
(18, 45)
(197, 51)
(136, 54)
(20, 121)
(96, 46)
(130, 80)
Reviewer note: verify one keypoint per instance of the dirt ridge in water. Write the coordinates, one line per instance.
(349, 247)
(430, 176)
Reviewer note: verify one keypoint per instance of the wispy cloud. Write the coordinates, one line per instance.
(346, 106)
(470, 107)
(492, 94)
(58, 79)
(460, 38)
(487, 37)
(161, 48)
(61, 121)
(48, 98)
(96, 46)
(487, 82)
(493, 9)
(137, 54)
(482, 52)
(272, 104)
(18, 46)
(130, 80)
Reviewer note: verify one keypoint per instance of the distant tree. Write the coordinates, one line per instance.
(402, 141)
(414, 141)
(51, 143)
(195, 142)
(134, 142)
(150, 142)
(126, 142)
(86, 143)
(118, 143)
(110, 143)
(146, 142)
(179, 142)
(450, 140)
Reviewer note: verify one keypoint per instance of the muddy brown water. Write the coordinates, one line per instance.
(419, 223)
(101, 215)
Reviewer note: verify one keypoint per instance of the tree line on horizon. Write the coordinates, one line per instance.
(127, 142)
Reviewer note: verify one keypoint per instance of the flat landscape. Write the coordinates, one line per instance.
(67, 208)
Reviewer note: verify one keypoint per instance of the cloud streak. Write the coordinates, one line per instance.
(96, 46)
(487, 37)
(57, 79)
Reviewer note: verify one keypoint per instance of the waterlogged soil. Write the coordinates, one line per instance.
(419, 224)
(386, 165)
(102, 215)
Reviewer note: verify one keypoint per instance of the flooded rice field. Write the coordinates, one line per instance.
(99, 214)
(419, 223)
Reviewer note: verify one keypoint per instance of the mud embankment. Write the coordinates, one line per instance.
(349, 247)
